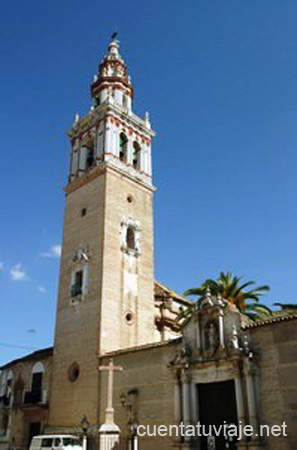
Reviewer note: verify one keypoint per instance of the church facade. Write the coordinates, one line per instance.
(217, 369)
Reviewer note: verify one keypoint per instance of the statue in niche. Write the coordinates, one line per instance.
(234, 339)
(211, 337)
(81, 255)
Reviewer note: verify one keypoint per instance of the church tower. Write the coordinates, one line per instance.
(106, 299)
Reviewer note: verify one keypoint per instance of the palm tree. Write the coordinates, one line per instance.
(243, 296)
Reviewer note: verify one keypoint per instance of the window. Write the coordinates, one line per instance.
(73, 372)
(78, 284)
(130, 238)
(71, 441)
(136, 155)
(47, 442)
(83, 212)
(37, 382)
(123, 147)
(6, 387)
(34, 396)
(129, 317)
(87, 152)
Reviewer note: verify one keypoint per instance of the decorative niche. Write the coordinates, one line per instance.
(130, 236)
(80, 275)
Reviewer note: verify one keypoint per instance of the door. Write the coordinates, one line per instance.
(34, 430)
(217, 406)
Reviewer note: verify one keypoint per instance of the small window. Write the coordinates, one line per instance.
(73, 372)
(130, 238)
(83, 212)
(47, 442)
(136, 155)
(78, 284)
(129, 317)
(123, 147)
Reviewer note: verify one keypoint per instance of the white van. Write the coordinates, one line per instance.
(56, 442)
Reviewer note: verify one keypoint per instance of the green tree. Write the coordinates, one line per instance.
(245, 296)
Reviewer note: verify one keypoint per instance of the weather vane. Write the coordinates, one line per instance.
(114, 35)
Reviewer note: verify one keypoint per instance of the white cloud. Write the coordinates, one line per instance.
(54, 252)
(18, 273)
(41, 289)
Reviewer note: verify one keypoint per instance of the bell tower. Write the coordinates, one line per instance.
(106, 298)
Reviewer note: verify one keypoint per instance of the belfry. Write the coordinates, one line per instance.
(106, 291)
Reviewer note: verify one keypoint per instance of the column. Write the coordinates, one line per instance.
(82, 157)
(149, 160)
(142, 159)
(195, 409)
(239, 401)
(116, 141)
(99, 142)
(145, 159)
(74, 158)
(71, 169)
(113, 149)
(251, 397)
(130, 150)
(107, 137)
(194, 403)
(198, 333)
(221, 329)
(186, 380)
(177, 403)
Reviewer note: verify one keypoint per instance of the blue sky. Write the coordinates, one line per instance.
(220, 82)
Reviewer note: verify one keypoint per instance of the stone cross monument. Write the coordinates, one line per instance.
(109, 431)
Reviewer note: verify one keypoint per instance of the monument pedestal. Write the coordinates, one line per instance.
(109, 436)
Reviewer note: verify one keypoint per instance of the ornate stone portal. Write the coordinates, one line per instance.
(214, 357)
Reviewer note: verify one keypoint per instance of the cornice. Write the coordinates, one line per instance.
(100, 170)
(104, 110)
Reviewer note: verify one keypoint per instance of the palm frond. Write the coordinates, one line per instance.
(194, 291)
